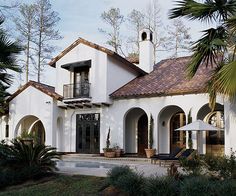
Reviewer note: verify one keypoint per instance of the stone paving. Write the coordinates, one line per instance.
(99, 166)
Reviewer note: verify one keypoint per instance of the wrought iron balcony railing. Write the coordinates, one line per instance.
(77, 90)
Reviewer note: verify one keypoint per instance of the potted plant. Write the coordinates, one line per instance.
(27, 138)
(190, 141)
(117, 150)
(150, 151)
(108, 152)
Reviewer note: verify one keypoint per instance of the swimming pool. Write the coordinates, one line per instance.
(85, 164)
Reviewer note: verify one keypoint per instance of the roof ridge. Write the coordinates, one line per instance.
(44, 88)
(97, 47)
(35, 82)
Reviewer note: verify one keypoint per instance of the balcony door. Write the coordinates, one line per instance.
(88, 133)
(81, 83)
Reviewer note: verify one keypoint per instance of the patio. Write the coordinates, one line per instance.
(75, 164)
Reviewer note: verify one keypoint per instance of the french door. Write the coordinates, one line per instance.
(87, 133)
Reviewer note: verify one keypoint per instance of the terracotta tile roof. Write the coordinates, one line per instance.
(167, 78)
(98, 47)
(49, 90)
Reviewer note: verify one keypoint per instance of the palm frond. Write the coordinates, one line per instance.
(225, 82)
(231, 24)
(209, 10)
(9, 50)
(208, 49)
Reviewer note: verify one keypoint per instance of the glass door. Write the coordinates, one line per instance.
(87, 133)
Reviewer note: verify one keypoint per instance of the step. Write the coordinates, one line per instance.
(75, 157)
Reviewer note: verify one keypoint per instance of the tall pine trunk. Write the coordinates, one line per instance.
(40, 44)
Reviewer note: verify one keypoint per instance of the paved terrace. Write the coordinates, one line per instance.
(99, 166)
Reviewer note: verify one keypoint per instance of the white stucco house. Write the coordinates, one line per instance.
(97, 89)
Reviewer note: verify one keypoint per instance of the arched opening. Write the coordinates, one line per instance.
(144, 36)
(171, 118)
(142, 134)
(60, 143)
(31, 125)
(151, 37)
(214, 140)
(136, 131)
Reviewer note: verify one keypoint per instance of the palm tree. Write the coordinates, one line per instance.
(19, 155)
(8, 52)
(217, 46)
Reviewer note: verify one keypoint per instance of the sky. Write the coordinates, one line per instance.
(81, 18)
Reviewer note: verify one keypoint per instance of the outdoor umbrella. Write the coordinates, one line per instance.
(198, 126)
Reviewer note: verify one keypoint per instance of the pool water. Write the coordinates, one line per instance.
(85, 164)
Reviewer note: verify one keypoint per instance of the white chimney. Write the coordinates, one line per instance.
(146, 50)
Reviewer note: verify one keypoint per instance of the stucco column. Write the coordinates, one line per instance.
(230, 124)
(194, 133)
(155, 134)
(149, 121)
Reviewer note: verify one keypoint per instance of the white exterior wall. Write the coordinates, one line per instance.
(115, 117)
(230, 126)
(105, 75)
(31, 102)
(69, 128)
(97, 72)
(3, 123)
(118, 75)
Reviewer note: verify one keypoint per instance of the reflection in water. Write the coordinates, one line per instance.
(85, 164)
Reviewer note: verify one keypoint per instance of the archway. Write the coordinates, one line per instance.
(214, 140)
(31, 125)
(170, 118)
(136, 131)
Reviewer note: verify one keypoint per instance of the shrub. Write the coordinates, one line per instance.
(197, 186)
(126, 180)
(166, 186)
(226, 187)
(19, 155)
(192, 166)
(20, 162)
(116, 172)
(131, 183)
(224, 167)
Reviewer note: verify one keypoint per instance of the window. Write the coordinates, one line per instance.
(7, 131)
(216, 119)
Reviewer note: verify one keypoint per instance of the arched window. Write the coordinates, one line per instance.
(216, 119)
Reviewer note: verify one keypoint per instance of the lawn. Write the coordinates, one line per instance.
(59, 185)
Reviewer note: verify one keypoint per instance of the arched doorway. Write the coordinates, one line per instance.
(170, 118)
(142, 134)
(136, 131)
(214, 140)
(31, 125)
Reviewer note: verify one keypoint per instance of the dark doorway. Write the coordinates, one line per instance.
(87, 133)
(142, 134)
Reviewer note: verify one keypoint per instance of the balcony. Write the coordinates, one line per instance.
(77, 90)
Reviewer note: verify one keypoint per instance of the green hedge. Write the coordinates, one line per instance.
(136, 184)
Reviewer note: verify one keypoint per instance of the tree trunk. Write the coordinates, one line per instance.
(40, 43)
